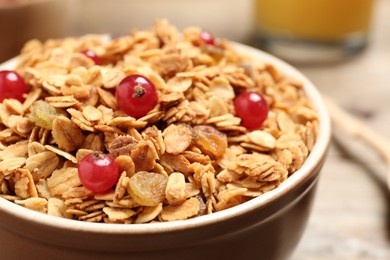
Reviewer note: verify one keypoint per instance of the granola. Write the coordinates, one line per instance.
(189, 156)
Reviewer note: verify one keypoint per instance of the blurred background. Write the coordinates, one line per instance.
(296, 30)
(21, 20)
(343, 46)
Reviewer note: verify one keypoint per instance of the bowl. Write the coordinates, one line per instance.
(266, 227)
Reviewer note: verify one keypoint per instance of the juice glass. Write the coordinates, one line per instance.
(313, 30)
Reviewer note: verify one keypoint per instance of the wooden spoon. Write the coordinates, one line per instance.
(358, 129)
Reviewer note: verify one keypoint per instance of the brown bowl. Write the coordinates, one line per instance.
(266, 227)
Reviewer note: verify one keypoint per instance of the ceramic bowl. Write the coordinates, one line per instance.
(267, 227)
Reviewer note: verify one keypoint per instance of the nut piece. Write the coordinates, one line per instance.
(173, 163)
(176, 189)
(125, 164)
(67, 134)
(177, 138)
(144, 156)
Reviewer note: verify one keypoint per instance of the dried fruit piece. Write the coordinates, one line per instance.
(148, 188)
(211, 141)
(43, 114)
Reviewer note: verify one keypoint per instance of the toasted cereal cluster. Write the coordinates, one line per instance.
(188, 156)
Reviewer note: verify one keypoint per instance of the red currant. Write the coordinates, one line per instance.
(98, 172)
(12, 86)
(207, 38)
(252, 108)
(136, 95)
(92, 55)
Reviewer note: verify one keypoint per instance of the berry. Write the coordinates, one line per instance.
(98, 172)
(12, 86)
(252, 108)
(92, 55)
(207, 38)
(136, 95)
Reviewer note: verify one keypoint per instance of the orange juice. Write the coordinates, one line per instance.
(324, 20)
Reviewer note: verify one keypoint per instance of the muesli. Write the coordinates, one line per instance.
(157, 125)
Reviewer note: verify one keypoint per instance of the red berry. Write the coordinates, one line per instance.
(98, 172)
(92, 55)
(252, 108)
(207, 38)
(136, 95)
(12, 86)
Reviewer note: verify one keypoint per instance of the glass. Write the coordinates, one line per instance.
(313, 30)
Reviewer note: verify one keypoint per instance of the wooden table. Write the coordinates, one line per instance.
(351, 215)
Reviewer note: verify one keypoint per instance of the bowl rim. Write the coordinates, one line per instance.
(311, 163)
